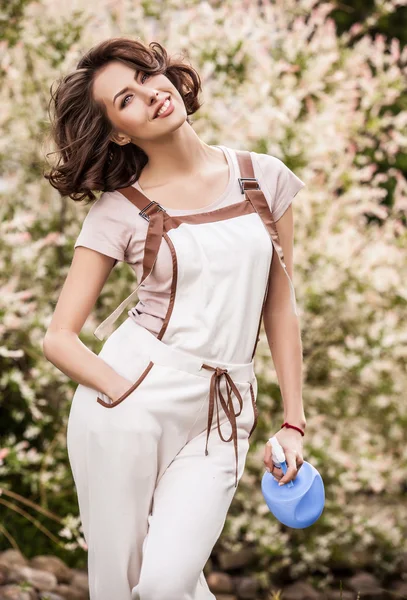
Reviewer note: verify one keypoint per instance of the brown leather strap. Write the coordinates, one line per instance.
(214, 394)
(255, 195)
(157, 217)
(154, 214)
(250, 186)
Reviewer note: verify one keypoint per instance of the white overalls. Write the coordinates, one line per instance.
(156, 470)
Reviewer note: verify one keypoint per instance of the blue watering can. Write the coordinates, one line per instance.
(298, 503)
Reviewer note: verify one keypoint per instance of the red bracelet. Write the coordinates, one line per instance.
(292, 427)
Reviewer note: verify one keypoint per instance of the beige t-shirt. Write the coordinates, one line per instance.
(113, 227)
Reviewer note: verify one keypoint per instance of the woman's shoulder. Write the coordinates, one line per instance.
(268, 163)
(279, 183)
(112, 204)
(108, 226)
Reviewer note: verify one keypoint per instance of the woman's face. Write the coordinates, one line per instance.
(132, 111)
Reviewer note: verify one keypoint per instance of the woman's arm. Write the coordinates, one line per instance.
(61, 345)
(282, 327)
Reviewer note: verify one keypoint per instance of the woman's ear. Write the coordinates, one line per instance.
(120, 139)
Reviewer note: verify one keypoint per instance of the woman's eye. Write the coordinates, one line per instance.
(124, 103)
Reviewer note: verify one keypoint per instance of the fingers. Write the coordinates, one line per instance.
(294, 464)
(267, 460)
(293, 460)
(277, 472)
(269, 465)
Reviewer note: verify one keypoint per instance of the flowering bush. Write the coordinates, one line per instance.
(276, 79)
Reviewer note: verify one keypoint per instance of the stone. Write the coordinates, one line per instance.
(80, 579)
(71, 593)
(12, 558)
(52, 564)
(49, 596)
(41, 580)
(14, 592)
(208, 568)
(4, 571)
(301, 590)
(366, 584)
(246, 587)
(226, 597)
(236, 560)
(220, 582)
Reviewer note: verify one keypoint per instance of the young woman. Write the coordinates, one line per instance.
(159, 425)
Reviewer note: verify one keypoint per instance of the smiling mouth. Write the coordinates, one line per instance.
(168, 100)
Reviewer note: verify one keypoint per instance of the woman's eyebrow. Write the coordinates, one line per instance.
(126, 89)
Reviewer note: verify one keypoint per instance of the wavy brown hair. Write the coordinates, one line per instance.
(80, 128)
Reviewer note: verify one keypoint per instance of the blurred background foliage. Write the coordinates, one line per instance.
(330, 82)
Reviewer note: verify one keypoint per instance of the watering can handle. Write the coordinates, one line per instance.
(278, 456)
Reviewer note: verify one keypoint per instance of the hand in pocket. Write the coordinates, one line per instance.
(120, 388)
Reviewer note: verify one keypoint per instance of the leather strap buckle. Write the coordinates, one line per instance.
(143, 213)
(242, 179)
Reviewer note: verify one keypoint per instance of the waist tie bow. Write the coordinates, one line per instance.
(215, 394)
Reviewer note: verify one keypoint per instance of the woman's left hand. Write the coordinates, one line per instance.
(291, 442)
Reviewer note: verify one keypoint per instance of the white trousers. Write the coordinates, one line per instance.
(152, 503)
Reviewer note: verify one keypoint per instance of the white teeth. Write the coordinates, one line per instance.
(163, 108)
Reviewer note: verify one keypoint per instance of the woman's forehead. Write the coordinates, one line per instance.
(111, 79)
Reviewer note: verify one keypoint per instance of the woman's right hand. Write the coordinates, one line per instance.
(119, 387)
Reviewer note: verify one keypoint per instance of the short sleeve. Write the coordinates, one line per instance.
(106, 227)
(280, 184)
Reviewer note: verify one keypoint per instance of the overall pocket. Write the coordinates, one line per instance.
(124, 356)
(127, 393)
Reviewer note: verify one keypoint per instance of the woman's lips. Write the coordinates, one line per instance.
(167, 112)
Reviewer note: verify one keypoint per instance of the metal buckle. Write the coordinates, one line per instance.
(241, 179)
(145, 216)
